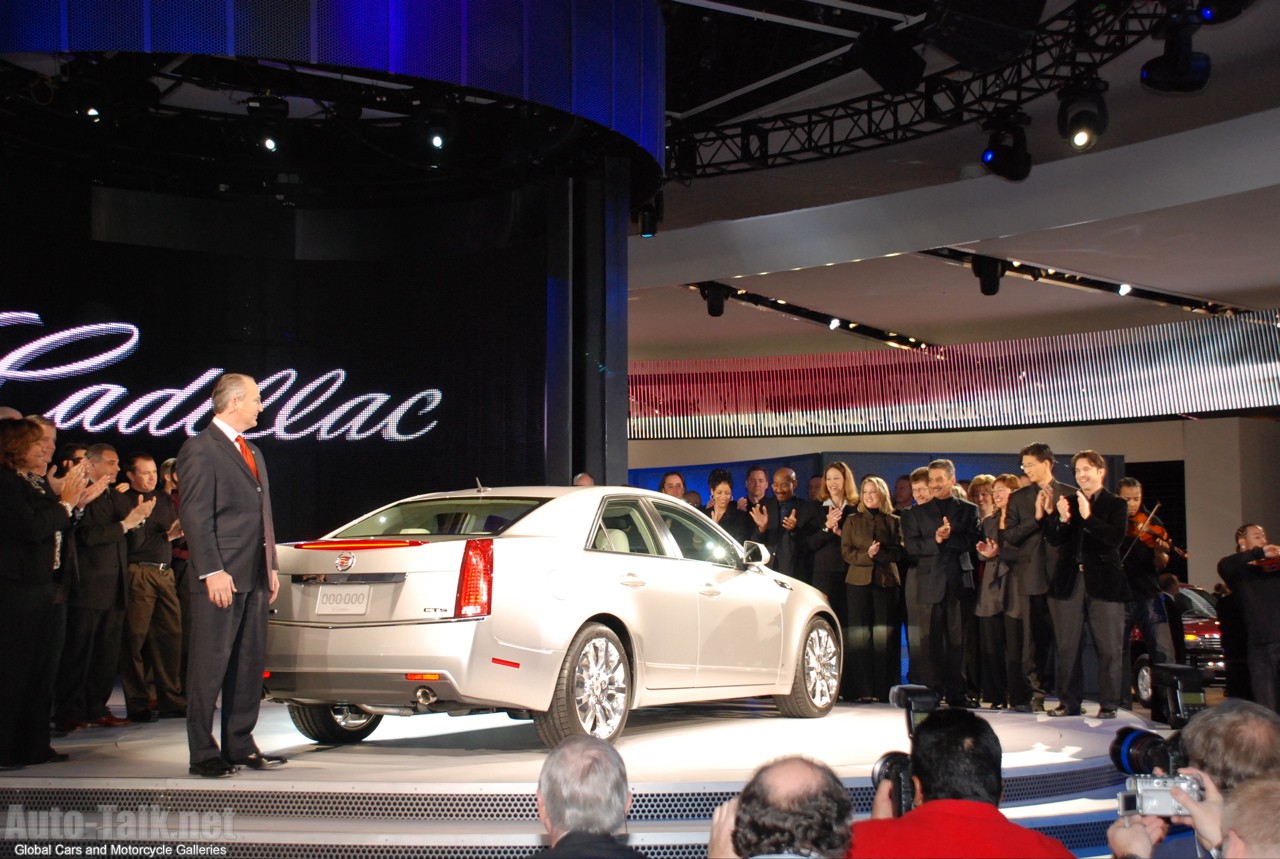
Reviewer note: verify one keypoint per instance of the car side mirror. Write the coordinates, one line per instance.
(755, 555)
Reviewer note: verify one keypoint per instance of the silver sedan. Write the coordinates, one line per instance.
(566, 605)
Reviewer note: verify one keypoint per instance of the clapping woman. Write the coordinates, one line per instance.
(871, 542)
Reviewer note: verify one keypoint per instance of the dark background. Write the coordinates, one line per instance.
(404, 301)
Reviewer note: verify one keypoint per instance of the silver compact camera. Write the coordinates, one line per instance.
(1149, 794)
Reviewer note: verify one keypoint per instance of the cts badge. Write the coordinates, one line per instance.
(344, 562)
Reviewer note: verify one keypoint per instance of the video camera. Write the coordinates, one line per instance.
(918, 702)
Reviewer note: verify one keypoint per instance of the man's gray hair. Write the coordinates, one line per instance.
(945, 465)
(1234, 741)
(228, 386)
(95, 451)
(583, 785)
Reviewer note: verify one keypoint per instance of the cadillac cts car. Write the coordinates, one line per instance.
(569, 606)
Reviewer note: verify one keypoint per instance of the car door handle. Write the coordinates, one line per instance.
(710, 591)
(632, 580)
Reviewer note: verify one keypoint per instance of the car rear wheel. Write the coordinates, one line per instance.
(333, 723)
(1143, 690)
(817, 678)
(593, 689)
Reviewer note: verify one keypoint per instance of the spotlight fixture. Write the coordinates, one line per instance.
(1082, 112)
(714, 295)
(267, 107)
(1179, 68)
(434, 130)
(648, 215)
(1006, 154)
(988, 271)
(1221, 11)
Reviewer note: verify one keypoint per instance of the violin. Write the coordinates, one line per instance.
(1147, 528)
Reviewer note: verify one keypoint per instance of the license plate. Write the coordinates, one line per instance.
(343, 599)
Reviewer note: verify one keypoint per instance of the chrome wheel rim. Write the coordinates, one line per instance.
(1144, 683)
(350, 718)
(821, 666)
(600, 688)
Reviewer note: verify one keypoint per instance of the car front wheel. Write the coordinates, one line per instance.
(817, 677)
(593, 689)
(333, 723)
(1143, 690)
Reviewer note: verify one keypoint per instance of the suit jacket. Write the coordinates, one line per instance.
(101, 555)
(28, 521)
(226, 513)
(856, 536)
(1037, 560)
(1094, 545)
(946, 565)
(790, 549)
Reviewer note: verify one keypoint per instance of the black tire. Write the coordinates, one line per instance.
(593, 689)
(333, 724)
(1143, 691)
(817, 679)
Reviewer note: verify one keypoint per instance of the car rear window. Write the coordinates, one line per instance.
(470, 517)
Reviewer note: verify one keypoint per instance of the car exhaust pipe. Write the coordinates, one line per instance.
(426, 696)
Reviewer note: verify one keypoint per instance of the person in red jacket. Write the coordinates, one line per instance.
(955, 766)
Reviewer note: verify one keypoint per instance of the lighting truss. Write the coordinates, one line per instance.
(826, 320)
(945, 100)
(1074, 280)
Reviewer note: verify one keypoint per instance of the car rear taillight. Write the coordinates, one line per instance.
(475, 580)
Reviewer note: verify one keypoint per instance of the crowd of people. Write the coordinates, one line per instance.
(94, 586)
(994, 579)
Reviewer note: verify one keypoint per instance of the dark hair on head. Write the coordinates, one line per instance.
(131, 461)
(809, 816)
(1039, 450)
(16, 437)
(920, 475)
(1091, 456)
(1244, 529)
(757, 467)
(1128, 483)
(944, 465)
(663, 481)
(718, 476)
(956, 755)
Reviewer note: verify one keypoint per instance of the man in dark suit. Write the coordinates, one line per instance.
(943, 532)
(96, 606)
(762, 509)
(233, 575)
(921, 659)
(1030, 632)
(1090, 584)
(796, 519)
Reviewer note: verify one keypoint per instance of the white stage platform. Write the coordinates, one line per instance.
(430, 786)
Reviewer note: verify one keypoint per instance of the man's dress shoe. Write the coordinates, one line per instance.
(212, 768)
(260, 761)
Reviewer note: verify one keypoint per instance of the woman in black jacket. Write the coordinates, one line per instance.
(723, 511)
(871, 543)
(839, 498)
(30, 521)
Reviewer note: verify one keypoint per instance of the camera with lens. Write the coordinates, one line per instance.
(1181, 689)
(895, 767)
(1138, 752)
(1150, 794)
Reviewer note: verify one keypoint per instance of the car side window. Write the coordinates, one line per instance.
(623, 528)
(696, 537)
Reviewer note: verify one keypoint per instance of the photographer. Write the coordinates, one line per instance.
(955, 766)
(1226, 745)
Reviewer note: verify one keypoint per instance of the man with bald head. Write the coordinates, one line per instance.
(793, 806)
(797, 519)
(233, 576)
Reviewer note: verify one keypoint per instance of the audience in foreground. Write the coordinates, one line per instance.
(583, 799)
(792, 807)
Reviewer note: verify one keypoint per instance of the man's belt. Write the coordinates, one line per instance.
(153, 565)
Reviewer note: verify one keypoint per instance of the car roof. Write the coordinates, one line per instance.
(597, 491)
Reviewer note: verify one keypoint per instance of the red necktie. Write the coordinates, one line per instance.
(248, 456)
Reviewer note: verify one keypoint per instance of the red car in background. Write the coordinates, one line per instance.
(1201, 639)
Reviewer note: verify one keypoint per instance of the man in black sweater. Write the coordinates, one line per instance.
(1253, 575)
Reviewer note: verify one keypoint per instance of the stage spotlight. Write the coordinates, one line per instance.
(1124, 289)
(988, 271)
(833, 324)
(714, 295)
(1221, 11)
(648, 220)
(1179, 68)
(270, 143)
(435, 130)
(1082, 114)
(1006, 154)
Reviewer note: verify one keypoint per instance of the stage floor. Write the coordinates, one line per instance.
(464, 786)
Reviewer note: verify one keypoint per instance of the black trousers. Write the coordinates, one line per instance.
(26, 688)
(90, 663)
(872, 641)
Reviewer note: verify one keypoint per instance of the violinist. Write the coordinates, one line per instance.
(1253, 574)
(1144, 554)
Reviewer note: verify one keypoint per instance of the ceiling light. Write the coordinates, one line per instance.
(1124, 289)
(988, 271)
(713, 294)
(1221, 11)
(1006, 154)
(1082, 112)
(1179, 68)
(833, 324)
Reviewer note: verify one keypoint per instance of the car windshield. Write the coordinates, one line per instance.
(471, 517)
(1192, 601)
